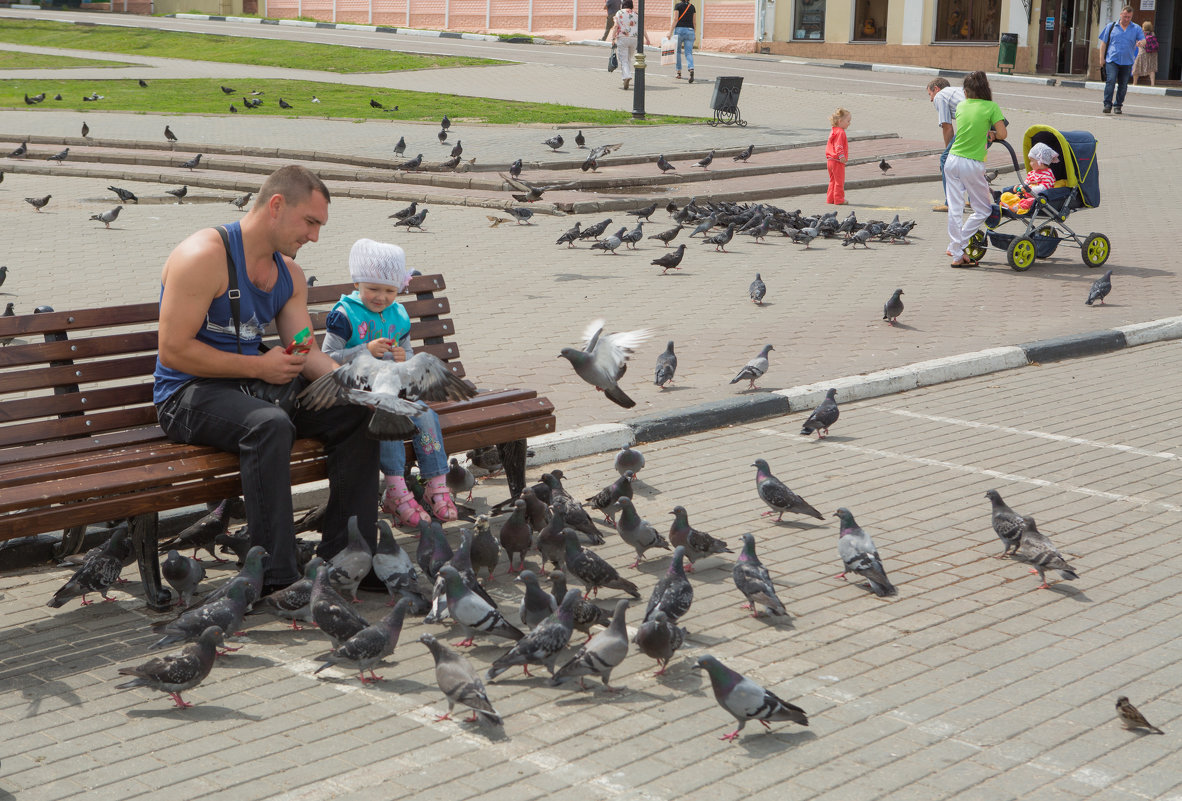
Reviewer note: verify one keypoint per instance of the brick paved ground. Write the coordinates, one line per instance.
(969, 684)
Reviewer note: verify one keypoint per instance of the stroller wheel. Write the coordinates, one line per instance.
(975, 249)
(1096, 249)
(1021, 253)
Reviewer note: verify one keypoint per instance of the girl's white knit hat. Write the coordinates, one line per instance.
(373, 262)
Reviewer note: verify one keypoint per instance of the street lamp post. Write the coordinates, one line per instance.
(638, 78)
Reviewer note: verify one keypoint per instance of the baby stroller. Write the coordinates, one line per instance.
(1044, 225)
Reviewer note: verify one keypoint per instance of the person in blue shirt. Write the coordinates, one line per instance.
(1118, 51)
(371, 318)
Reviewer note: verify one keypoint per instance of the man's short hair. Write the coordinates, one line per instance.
(1128, 9)
(294, 182)
(936, 84)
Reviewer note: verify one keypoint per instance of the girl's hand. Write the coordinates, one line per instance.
(398, 354)
(379, 347)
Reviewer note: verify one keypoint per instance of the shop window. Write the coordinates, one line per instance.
(870, 20)
(968, 20)
(810, 20)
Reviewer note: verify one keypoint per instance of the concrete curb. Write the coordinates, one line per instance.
(349, 26)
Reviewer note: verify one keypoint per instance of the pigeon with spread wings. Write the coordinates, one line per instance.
(601, 361)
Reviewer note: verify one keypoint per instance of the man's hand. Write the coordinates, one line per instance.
(277, 367)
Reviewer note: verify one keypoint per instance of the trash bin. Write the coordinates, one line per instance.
(1007, 52)
(725, 100)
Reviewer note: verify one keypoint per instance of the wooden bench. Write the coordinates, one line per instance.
(79, 442)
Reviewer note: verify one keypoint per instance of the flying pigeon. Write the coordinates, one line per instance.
(754, 368)
(1007, 523)
(757, 290)
(884, 166)
(601, 362)
(629, 459)
(601, 655)
(673, 594)
(169, 135)
(745, 699)
(543, 644)
(554, 142)
(59, 157)
(473, 613)
(459, 683)
(580, 140)
(179, 194)
(636, 531)
(705, 163)
(331, 613)
(1100, 289)
(241, 202)
(368, 647)
(591, 569)
(124, 195)
(858, 555)
(753, 580)
(663, 164)
(893, 307)
(191, 163)
(1131, 718)
(590, 163)
(225, 613)
(352, 563)
(400, 147)
(107, 217)
(175, 673)
(823, 416)
(666, 366)
(697, 544)
(745, 154)
(659, 639)
(183, 574)
(569, 236)
(414, 221)
(1037, 551)
(777, 496)
(98, 572)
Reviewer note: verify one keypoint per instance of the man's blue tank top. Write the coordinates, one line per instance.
(256, 309)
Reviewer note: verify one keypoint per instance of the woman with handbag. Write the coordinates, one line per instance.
(683, 33)
(624, 39)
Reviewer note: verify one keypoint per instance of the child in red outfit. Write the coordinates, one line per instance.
(836, 155)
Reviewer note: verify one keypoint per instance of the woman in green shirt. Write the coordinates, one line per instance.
(979, 122)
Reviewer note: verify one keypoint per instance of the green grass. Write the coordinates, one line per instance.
(37, 61)
(223, 49)
(203, 96)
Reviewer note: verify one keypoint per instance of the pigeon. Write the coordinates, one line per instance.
(459, 479)
(884, 166)
(250, 576)
(251, 103)
(183, 574)
(169, 135)
(697, 544)
(331, 613)
(284, 104)
(402, 214)
(602, 360)
(636, 531)
(85, 130)
(572, 511)
(394, 390)
(515, 169)
(705, 163)
(543, 644)
(536, 512)
(757, 290)
(3, 275)
(859, 238)
(485, 552)
(1131, 718)
(233, 109)
(234, 542)
(777, 496)
(414, 221)
(893, 307)
(607, 499)
(601, 655)
(554, 142)
(705, 225)
(201, 533)
(124, 195)
(293, 602)
(515, 535)
(591, 569)
(590, 163)
(451, 163)
(721, 239)
(412, 164)
(745, 154)
(38, 203)
(473, 613)
(315, 99)
(759, 231)
(368, 647)
(1007, 523)
(225, 613)
(375, 104)
(667, 236)
(175, 673)
(32, 101)
(536, 603)
(673, 594)
(634, 236)
(580, 140)
(434, 551)
(663, 164)
(569, 236)
(754, 368)
(9, 311)
(352, 563)
(394, 568)
(98, 572)
(585, 613)
(858, 555)
(229, 91)
(192, 163)
(179, 194)
(21, 150)
(645, 213)
(107, 217)
(628, 459)
(522, 215)
(596, 230)
(60, 156)
(1036, 550)
(666, 364)
(807, 235)
(746, 700)
(670, 261)
(461, 561)
(458, 149)
(240, 203)
(823, 416)
(610, 243)
(1100, 289)
(752, 579)
(400, 146)
(659, 639)
(459, 683)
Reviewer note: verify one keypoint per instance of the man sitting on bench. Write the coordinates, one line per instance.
(215, 385)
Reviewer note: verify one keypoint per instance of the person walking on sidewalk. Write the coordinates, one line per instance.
(611, 7)
(979, 123)
(1118, 50)
(1146, 63)
(683, 34)
(945, 98)
(837, 153)
(624, 38)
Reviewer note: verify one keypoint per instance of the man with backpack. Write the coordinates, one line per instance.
(1118, 51)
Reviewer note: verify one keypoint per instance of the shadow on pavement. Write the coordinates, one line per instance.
(197, 712)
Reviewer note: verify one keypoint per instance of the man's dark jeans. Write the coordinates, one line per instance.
(216, 412)
(1116, 76)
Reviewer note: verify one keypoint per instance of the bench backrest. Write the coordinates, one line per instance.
(88, 373)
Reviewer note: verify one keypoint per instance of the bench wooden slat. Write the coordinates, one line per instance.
(81, 446)
(87, 372)
(43, 430)
(79, 348)
(74, 402)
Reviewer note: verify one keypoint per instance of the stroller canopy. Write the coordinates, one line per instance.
(1077, 159)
